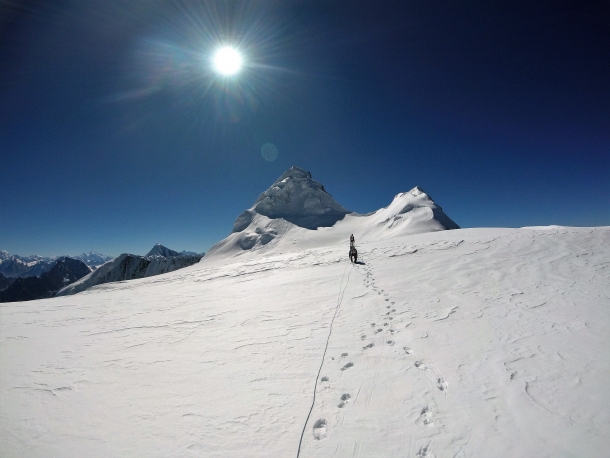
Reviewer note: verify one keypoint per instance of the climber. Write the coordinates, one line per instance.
(353, 253)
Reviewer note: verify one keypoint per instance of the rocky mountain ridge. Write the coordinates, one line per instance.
(64, 271)
(127, 266)
(14, 266)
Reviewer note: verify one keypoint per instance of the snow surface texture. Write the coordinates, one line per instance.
(296, 203)
(465, 343)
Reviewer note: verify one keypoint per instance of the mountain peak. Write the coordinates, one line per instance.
(417, 191)
(294, 172)
(416, 198)
(160, 250)
(295, 201)
(296, 197)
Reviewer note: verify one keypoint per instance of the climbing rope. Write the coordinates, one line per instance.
(330, 331)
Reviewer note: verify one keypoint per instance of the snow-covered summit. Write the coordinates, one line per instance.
(93, 258)
(414, 208)
(298, 199)
(160, 250)
(298, 204)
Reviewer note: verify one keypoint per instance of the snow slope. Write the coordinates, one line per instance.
(464, 343)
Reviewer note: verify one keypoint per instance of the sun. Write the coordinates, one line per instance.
(227, 61)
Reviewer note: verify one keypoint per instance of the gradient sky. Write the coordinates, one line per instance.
(115, 133)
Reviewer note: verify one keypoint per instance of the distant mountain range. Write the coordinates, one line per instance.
(36, 277)
(14, 266)
(63, 272)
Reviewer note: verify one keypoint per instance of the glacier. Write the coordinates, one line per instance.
(464, 342)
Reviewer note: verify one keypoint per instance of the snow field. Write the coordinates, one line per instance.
(478, 342)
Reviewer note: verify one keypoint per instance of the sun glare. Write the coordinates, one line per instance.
(227, 61)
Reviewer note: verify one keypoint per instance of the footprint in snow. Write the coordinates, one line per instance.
(344, 400)
(426, 416)
(420, 365)
(390, 342)
(423, 451)
(366, 347)
(324, 379)
(347, 366)
(363, 336)
(343, 355)
(319, 429)
(407, 350)
(442, 385)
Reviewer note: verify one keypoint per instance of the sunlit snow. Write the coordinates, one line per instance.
(461, 343)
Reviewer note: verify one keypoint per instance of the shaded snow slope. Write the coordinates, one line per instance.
(131, 266)
(297, 203)
(466, 343)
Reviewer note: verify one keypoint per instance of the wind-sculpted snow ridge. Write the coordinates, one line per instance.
(465, 343)
(296, 207)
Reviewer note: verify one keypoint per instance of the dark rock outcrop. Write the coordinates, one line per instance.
(5, 282)
(158, 261)
(64, 272)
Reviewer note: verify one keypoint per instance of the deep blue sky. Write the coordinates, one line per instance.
(115, 134)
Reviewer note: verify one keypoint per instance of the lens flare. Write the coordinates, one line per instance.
(227, 61)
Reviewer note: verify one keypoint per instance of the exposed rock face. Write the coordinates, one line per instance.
(131, 266)
(5, 282)
(14, 267)
(64, 271)
(160, 250)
